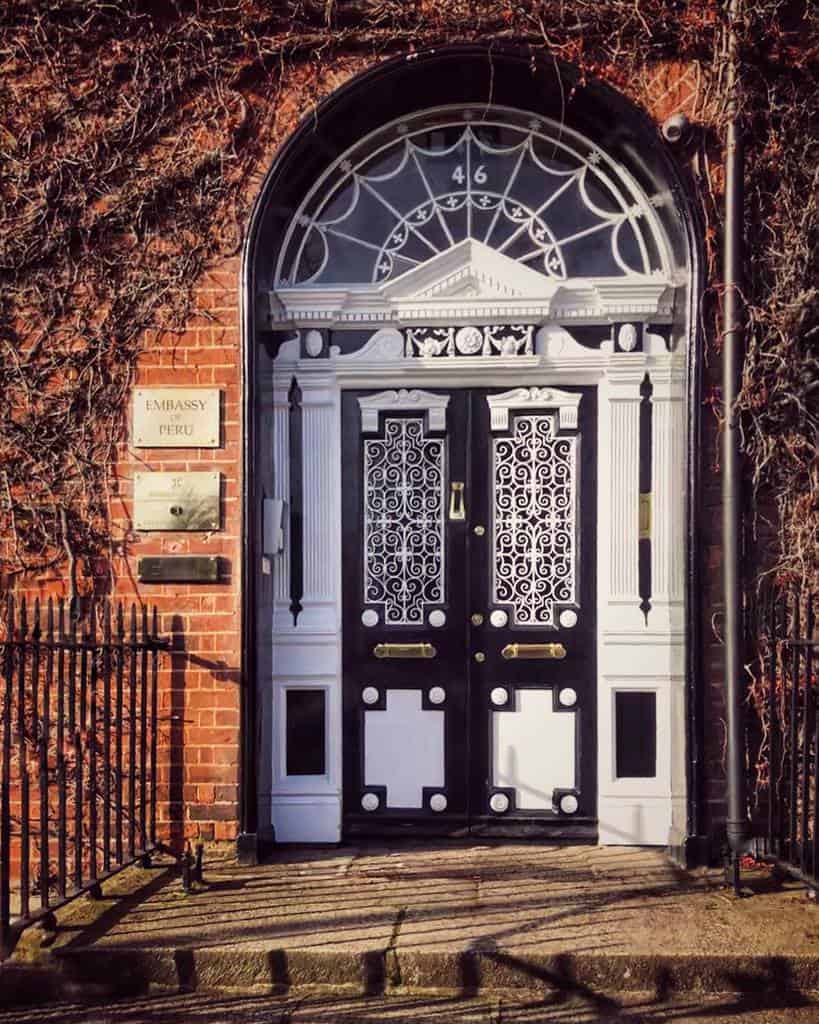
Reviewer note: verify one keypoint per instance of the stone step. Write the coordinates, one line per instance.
(123, 971)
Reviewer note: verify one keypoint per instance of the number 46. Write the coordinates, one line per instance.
(479, 176)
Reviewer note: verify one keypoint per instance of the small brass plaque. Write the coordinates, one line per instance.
(645, 516)
(178, 569)
(404, 651)
(176, 501)
(176, 418)
(529, 652)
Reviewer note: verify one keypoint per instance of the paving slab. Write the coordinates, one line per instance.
(462, 917)
(512, 1008)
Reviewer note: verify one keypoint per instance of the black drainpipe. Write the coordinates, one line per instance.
(732, 351)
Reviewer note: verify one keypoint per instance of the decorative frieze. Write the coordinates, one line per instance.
(501, 340)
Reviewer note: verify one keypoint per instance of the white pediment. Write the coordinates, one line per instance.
(472, 269)
(471, 282)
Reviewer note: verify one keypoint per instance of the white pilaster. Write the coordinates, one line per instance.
(282, 616)
(619, 521)
(321, 499)
(668, 497)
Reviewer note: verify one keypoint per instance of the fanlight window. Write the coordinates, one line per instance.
(525, 186)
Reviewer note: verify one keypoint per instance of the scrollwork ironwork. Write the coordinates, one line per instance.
(535, 512)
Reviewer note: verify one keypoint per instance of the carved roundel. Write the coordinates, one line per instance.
(469, 341)
(370, 802)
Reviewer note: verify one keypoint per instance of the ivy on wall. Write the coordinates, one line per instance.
(130, 134)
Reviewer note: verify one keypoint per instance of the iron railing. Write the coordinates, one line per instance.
(78, 752)
(787, 731)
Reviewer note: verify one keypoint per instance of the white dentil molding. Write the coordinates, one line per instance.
(472, 282)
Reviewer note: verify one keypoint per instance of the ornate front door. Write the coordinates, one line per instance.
(469, 638)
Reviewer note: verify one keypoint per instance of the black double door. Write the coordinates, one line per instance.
(469, 637)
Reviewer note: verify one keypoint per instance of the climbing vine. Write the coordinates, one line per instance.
(130, 133)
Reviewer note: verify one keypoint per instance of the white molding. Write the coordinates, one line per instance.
(403, 400)
(471, 281)
(565, 402)
(582, 300)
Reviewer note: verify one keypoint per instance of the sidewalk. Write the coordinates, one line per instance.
(578, 922)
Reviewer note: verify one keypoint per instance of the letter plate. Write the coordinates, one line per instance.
(511, 652)
(404, 651)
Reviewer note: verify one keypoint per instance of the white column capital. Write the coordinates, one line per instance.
(623, 376)
(317, 389)
(667, 381)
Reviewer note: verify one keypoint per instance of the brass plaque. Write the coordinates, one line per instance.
(645, 516)
(178, 569)
(404, 651)
(176, 501)
(176, 418)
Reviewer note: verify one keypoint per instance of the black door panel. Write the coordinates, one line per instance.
(441, 529)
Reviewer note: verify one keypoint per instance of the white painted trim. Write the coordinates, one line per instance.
(565, 402)
(581, 300)
(403, 400)
(632, 652)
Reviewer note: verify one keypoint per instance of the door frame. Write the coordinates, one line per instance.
(635, 652)
(469, 73)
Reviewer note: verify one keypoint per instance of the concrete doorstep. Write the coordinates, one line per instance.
(579, 923)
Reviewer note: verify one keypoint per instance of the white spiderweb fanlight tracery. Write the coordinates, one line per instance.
(531, 190)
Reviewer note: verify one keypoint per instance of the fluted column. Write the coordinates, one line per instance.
(622, 462)
(282, 616)
(668, 490)
(321, 468)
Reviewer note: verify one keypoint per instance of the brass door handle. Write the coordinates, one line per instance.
(404, 651)
(457, 508)
(512, 652)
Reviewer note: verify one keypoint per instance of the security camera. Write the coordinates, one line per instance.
(675, 128)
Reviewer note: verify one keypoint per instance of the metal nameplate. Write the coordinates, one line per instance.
(176, 501)
(404, 651)
(178, 569)
(176, 417)
(645, 516)
(511, 652)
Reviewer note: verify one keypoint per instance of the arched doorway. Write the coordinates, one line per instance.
(474, 416)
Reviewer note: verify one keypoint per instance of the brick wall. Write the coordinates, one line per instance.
(200, 679)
